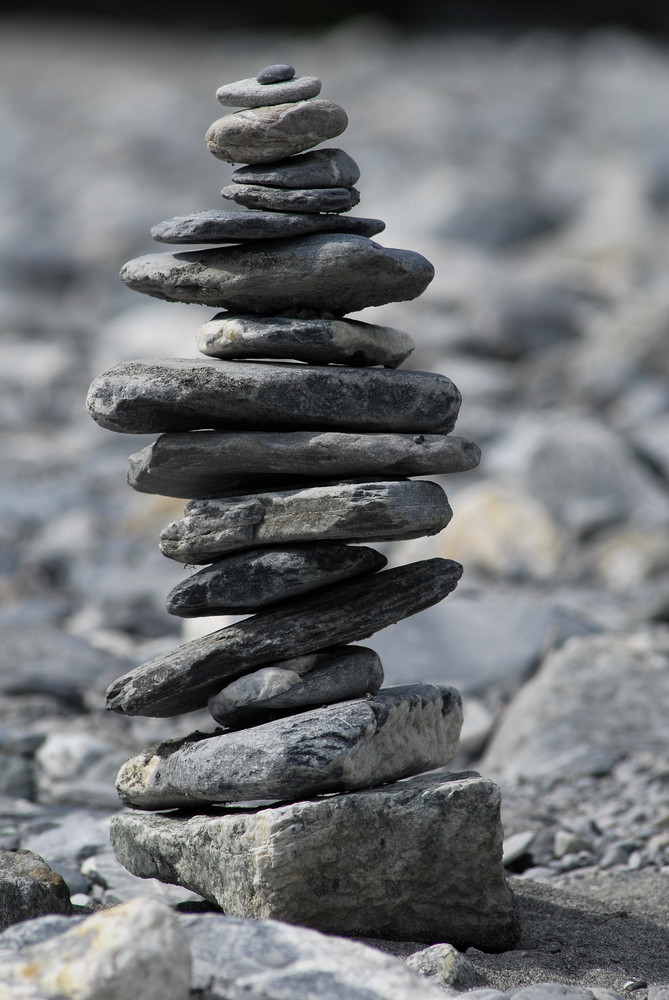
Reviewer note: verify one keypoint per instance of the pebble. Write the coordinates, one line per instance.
(443, 965)
(276, 73)
(244, 227)
(321, 168)
(330, 199)
(263, 134)
(255, 93)
(29, 888)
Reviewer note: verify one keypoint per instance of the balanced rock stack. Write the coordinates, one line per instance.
(286, 462)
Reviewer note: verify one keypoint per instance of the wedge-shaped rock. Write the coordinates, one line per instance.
(251, 94)
(335, 674)
(355, 512)
(331, 199)
(419, 860)
(183, 394)
(317, 341)
(319, 168)
(187, 677)
(243, 227)
(260, 135)
(353, 744)
(327, 274)
(211, 463)
(246, 581)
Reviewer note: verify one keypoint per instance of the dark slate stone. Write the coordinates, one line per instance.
(264, 134)
(319, 168)
(29, 888)
(331, 199)
(276, 73)
(244, 227)
(255, 93)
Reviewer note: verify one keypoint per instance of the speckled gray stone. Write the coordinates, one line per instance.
(246, 227)
(325, 274)
(212, 463)
(319, 168)
(253, 93)
(263, 134)
(395, 733)
(343, 511)
(333, 199)
(187, 677)
(246, 581)
(29, 888)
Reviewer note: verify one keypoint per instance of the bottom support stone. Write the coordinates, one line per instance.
(417, 860)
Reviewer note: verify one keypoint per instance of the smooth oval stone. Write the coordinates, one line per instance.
(336, 674)
(247, 581)
(181, 394)
(319, 168)
(251, 93)
(276, 73)
(243, 227)
(332, 274)
(335, 199)
(353, 512)
(212, 463)
(316, 341)
(263, 134)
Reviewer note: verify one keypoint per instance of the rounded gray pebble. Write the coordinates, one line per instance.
(277, 73)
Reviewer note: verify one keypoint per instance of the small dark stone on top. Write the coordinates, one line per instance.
(276, 74)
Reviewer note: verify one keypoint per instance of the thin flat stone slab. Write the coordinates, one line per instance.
(243, 582)
(211, 463)
(338, 748)
(183, 394)
(427, 868)
(263, 134)
(329, 274)
(316, 341)
(335, 674)
(318, 169)
(354, 512)
(252, 94)
(216, 226)
(331, 199)
(187, 677)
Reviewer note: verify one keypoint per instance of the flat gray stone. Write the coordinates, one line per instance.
(319, 168)
(336, 674)
(337, 748)
(29, 888)
(416, 860)
(331, 199)
(263, 134)
(252, 93)
(331, 273)
(187, 677)
(244, 582)
(212, 463)
(183, 394)
(316, 341)
(216, 226)
(353, 512)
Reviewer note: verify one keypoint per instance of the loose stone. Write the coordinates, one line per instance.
(246, 581)
(187, 677)
(318, 169)
(181, 394)
(245, 227)
(276, 73)
(263, 133)
(316, 341)
(330, 274)
(335, 674)
(397, 732)
(332, 199)
(255, 93)
(29, 888)
(212, 463)
(346, 511)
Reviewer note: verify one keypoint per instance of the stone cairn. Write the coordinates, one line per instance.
(285, 464)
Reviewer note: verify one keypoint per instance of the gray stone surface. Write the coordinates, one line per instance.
(422, 871)
(186, 678)
(319, 168)
(329, 274)
(215, 226)
(255, 93)
(182, 394)
(346, 511)
(244, 582)
(350, 745)
(257, 196)
(29, 888)
(263, 134)
(335, 674)
(276, 73)
(446, 967)
(316, 341)
(211, 463)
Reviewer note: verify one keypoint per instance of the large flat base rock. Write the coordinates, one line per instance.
(417, 860)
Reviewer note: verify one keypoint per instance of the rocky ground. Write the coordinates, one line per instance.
(534, 173)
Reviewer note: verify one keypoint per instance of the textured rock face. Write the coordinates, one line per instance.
(253, 93)
(449, 885)
(319, 168)
(29, 888)
(246, 227)
(264, 134)
(334, 199)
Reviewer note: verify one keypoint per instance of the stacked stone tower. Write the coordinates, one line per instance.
(295, 807)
